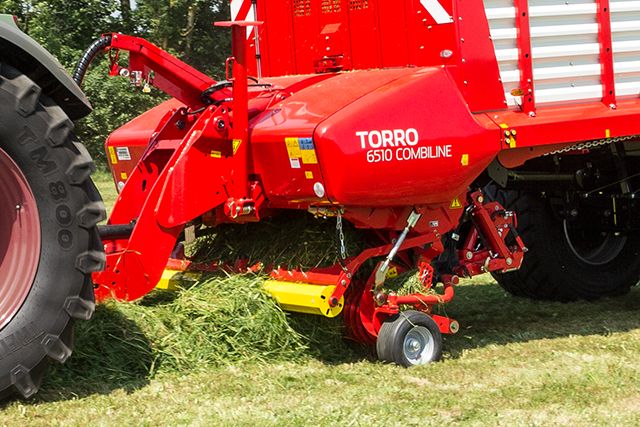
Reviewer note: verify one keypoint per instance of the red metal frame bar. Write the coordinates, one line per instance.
(135, 270)
(162, 70)
(344, 280)
(525, 61)
(606, 53)
(492, 225)
(476, 58)
(431, 299)
(239, 133)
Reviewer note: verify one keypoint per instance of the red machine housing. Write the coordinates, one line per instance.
(366, 109)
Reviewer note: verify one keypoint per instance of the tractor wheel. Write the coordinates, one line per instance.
(49, 244)
(564, 263)
(409, 338)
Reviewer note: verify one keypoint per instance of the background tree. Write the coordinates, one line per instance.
(67, 27)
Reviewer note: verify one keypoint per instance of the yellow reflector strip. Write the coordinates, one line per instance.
(112, 155)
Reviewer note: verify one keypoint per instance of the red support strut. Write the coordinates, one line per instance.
(606, 54)
(525, 60)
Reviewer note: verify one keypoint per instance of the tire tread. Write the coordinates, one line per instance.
(58, 347)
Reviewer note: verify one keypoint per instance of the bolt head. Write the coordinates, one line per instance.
(454, 327)
(414, 345)
(380, 298)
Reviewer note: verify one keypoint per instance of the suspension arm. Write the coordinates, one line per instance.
(150, 64)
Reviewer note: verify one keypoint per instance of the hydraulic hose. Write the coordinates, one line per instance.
(92, 51)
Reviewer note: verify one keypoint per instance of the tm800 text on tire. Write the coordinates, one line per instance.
(49, 244)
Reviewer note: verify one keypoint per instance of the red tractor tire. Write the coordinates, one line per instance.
(49, 245)
(563, 265)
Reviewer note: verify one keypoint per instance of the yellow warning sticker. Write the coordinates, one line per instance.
(464, 160)
(308, 174)
(216, 154)
(293, 148)
(301, 151)
(123, 176)
(112, 155)
(309, 157)
(392, 272)
(455, 204)
(236, 145)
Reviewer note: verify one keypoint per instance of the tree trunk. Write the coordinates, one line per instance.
(188, 33)
(125, 12)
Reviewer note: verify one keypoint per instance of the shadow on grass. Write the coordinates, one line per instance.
(488, 315)
(111, 352)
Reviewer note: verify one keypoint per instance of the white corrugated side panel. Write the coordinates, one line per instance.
(501, 16)
(565, 49)
(626, 62)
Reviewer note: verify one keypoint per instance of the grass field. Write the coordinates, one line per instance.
(220, 353)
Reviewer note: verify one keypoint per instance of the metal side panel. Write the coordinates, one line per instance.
(626, 47)
(565, 48)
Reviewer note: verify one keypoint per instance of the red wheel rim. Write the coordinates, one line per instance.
(19, 238)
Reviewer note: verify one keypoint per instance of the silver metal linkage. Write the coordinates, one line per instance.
(381, 272)
(343, 248)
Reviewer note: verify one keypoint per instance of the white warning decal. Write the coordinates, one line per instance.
(242, 10)
(123, 153)
(437, 12)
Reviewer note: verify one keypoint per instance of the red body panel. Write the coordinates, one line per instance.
(389, 168)
(406, 112)
(365, 33)
(289, 175)
(126, 146)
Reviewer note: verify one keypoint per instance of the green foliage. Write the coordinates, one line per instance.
(194, 39)
(114, 102)
(67, 27)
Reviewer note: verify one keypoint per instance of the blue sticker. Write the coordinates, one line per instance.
(305, 143)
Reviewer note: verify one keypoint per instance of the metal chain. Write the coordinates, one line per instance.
(339, 232)
(591, 144)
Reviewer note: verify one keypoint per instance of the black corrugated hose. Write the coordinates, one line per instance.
(83, 65)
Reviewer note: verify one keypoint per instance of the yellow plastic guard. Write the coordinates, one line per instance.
(173, 279)
(303, 297)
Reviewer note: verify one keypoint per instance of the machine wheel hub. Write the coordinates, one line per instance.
(418, 345)
(20, 238)
(592, 247)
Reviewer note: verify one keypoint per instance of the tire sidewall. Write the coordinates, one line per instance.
(406, 321)
(44, 166)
